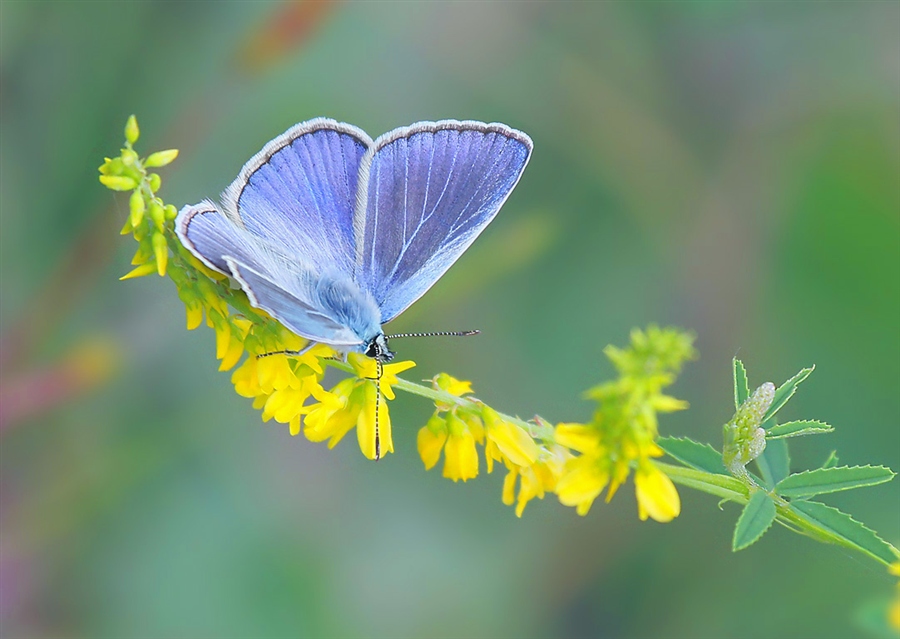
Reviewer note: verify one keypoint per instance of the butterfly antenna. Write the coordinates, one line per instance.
(380, 370)
(435, 334)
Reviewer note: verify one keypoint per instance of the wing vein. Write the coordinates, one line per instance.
(456, 224)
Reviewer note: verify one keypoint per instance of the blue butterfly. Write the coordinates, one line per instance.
(335, 234)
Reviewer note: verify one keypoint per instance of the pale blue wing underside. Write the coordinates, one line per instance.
(431, 189)
(287, 301)
(299, 193)
(285, 228)
(272, 281)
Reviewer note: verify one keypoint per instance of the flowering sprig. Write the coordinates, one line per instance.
(575, 461)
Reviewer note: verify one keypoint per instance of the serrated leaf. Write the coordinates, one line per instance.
(774, 463)
(755, 520)
(831, 461)
(845, 530)
(694, 454)
(741, 387)
(798, 429)
(784, 392)
(832, 480)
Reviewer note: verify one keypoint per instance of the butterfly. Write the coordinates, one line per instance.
(335, 234)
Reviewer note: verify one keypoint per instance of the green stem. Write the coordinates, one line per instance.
(536, 431)
(732, 489)
(719, 485)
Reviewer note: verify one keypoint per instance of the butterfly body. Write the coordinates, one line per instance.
(335, 234)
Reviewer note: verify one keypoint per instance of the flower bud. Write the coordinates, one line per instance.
(132, 133)
(136, 206)
(161, 249)
(129, 157)
(158, 215)
(118, 182)
(161, 158)
(155, 181)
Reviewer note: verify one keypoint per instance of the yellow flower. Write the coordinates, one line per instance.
(656, 494)
(373, 424)
(352, 402)
(431, 439)
(506, 440)
(536, 479)
(582, 482)
(460, 454)
(578, 437)
(335, 414)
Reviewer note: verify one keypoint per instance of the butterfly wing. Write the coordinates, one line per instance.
(299, 193)
(286, 220)
(427, 192)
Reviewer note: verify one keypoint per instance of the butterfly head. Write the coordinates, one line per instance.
(378, 349)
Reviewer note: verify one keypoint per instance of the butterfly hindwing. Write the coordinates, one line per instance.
(430, 190)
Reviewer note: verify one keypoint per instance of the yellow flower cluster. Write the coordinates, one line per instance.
(147, 214)
(623, 431)
(575, 461)
(458, 428)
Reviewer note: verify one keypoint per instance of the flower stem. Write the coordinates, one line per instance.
(537, 431)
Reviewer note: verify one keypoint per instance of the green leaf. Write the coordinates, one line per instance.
(755, 520)
(741, 387)
(694, 454)
(796, 429)
(775, 463)
(784, 392)
(842, 529)
(832, 480)
(831, 461)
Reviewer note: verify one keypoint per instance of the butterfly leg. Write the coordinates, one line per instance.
(290, 353)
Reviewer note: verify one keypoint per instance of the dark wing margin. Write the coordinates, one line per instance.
(427, 191)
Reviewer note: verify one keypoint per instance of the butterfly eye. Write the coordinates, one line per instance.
(378, 349)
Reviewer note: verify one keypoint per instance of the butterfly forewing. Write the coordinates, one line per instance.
(432, 188)
(299, 193)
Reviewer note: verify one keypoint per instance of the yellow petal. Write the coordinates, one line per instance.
(584, 439)
(430, 441)
(460, 456)
(512, 440)
(454, 386)
(582, 481)
(509, 486)
(161, 250)
(194, 316)
(373, 432)
(245, 379)
(656, 494)
(223, 339)
(232, 355)
(140, 271)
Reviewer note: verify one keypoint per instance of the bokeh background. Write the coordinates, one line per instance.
(731, 168)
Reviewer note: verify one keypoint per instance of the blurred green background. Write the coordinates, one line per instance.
(732, 168)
